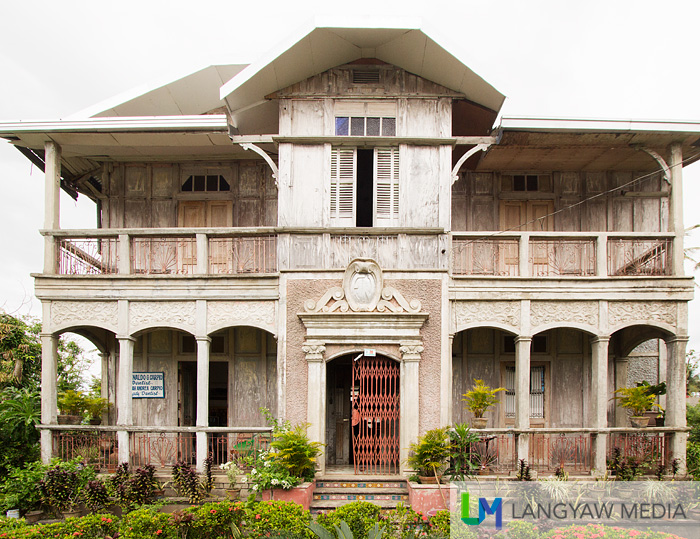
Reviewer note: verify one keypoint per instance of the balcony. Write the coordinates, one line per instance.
(561, 255)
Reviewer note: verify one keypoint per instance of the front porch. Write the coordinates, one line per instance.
(579, 452)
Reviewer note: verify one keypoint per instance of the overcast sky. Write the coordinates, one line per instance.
(593, 59)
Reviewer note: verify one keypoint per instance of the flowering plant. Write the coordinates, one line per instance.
(232, 472)
(267, 471)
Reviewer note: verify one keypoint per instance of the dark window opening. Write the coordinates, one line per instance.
(199, 183)
(189, 345)
(365, 187)
(539, 344)
(509, 344)
(360, 76)
(525, 182)
(187, 186)
(211, 183)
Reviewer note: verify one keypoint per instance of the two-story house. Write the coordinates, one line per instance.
(344, 234)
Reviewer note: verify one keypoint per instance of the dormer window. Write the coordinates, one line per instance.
(365, 119)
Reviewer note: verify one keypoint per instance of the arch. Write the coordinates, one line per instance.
(213, 328)
(349, 352)
(584, 328)
(631, 336)
(58, 329)
(492, 325)
(663, 326)
(145, 328)
(88, 332)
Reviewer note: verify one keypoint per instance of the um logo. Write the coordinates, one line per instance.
(496, 508)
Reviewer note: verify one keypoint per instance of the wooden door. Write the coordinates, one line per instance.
(527, 215)
(338, 412)
(375, 415)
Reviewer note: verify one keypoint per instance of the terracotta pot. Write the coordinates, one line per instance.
(233, 493)
(65, 419)
(639, 422)
(429, 479)
(479, 422)
(71, 514)
(33, 516)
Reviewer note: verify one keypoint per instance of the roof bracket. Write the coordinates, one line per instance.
(265, 156)
(467, 155)
(660, 160)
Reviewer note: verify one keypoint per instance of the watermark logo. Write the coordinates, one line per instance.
(496, 508)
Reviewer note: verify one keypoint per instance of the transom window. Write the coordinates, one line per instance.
(205, 183)
(365, 119)
(526, 183)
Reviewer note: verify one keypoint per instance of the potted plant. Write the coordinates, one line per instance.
(94, 408)
(479, 399)
(71, 407)
(232, 472)
(430, 455)
(639, 400)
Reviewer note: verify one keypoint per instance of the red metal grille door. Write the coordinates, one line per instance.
(375, 415)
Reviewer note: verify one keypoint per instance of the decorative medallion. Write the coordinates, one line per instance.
(363, 290)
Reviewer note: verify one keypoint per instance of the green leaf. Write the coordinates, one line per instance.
(319, 530)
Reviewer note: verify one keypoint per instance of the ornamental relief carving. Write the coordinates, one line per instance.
(578, 312)
(222, 312)
(167, 312)
(653, 311)
(363, 290)
(503, 312)
(72, 311)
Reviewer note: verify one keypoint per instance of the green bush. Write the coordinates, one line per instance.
(693, 459)
(213, 520)
(147, 522)
(522, 530)
(96, 526)
(277, 518)
(441, 523)
(360, 517)
(693, 418)
(445, 524)
(19, 491)
(404, 523)
(7, 524)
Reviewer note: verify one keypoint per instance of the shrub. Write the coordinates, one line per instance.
(147, 522)
(213, 520)
(60, 488)
(693, 415)
(523, 530)
(95, 495)
(186, 482)
(360, 517)
(19, 491)
(278, 518)
(404, 523)
(132, 491)
(7, 524)
(609, 532)
(693, 459)
(441, 523)
(431, 453)
(96, 526)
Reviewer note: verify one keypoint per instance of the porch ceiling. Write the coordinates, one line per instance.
(588, 145)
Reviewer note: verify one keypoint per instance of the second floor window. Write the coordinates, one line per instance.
(365, 119)
(364, 188)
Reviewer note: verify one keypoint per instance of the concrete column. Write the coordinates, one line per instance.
(316, 392)
(599, 400)
(124, 250)
(124, 399)
(49, 361)
(524, 255)
(621, 364)
(522, 394)
(675, 207)
(675, 397)
(202, 254)
(52, 190)
(203, 344)
(409, 403)
(601, 255)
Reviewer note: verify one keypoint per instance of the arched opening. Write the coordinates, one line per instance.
(362, 414)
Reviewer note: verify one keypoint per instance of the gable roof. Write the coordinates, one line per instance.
(322, 44)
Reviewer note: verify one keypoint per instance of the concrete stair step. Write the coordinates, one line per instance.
(317, 506)
(354, 483)
(361, 491)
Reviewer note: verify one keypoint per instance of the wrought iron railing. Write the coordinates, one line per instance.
(630, 256)
(88, 256)
(164, 255)
(245, 254)
(237, 446)
(645, 449)
(485, 257)
(557, 257)
(97, 448)
(162, 449)
(568, 452)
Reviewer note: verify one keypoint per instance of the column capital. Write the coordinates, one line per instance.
(126, 338)
(677, 339)
(523, 338)
(314, 350)
(600, 338)
(411, 350)
(48, 335)
(206, 338)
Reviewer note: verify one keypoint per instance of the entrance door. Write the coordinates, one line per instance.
(375, 415)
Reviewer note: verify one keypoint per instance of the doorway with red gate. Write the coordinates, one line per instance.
(362, 414)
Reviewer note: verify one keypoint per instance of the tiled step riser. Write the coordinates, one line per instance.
(361, 484)
(364, 498)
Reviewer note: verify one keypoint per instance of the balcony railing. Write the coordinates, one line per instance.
(555, 254)
(169, 252)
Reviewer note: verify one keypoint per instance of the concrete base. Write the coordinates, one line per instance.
(302, 494)
(428, 499)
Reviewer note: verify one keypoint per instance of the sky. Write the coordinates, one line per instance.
(595, 59)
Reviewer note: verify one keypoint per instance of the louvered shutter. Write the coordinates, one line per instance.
(343, 166)
(386, 174)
